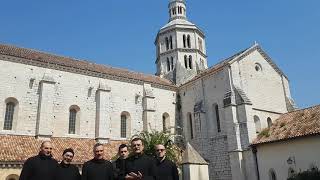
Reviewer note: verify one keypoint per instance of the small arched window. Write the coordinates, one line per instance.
(257, 124)
(272, 174)
(184, 41)
(189, 117)
(190, 62)
(8, 120)
(165, 122)
(200, 44)
(167, 43)
(72, 121)
(186, 61)
(269, 121)
(124, 125)
(216, 116)
(168, 65)
(171, 47)
(188, 41)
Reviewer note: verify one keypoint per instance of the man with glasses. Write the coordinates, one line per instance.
(120, 164)
(98, 168)
(40, 167)
(66, 170)
(165, 169)
(139, 166)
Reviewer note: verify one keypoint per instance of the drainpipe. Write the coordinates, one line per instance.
(254, 151)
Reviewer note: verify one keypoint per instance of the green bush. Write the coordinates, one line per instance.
(313, 174)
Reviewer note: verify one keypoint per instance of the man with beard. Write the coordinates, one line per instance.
(67, 171)
(40, 167)
(98, 168)
(120, 164)
(165, 169)
(139, 166)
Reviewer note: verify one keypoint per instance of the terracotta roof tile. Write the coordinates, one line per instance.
(34, 55)
(17, 149)
(294, 124)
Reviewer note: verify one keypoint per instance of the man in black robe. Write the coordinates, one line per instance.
(40, 167)
(165, 169)
(139, 166)
(66, 170)
(98, 168)
(120, 164)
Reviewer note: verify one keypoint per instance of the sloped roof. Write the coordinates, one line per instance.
(17, 149)
(33, 55)
(237, 57)
(191, 156)
(300, 123)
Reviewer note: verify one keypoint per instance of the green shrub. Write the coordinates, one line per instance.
(313, 174)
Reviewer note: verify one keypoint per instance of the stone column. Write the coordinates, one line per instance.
(103, 113)
(45, 114)
(148, 107)
(194, 167)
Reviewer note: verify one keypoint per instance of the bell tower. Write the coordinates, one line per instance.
(180, 44)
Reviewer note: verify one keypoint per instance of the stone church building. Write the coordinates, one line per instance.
(220, 109)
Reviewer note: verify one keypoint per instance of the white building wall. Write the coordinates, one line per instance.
(275, 155)
(74, 89)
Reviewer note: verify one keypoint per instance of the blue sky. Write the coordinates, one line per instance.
(122, 33)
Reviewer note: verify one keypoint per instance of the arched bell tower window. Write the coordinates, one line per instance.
(186, 61)
(190, 62)
(171, 47)
(190, 124)
(188, 41)
(172, 67)
(184, 41)
(167, 43)
(269, 121)
(168, 64)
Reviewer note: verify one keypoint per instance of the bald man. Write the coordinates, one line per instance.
(41, 166)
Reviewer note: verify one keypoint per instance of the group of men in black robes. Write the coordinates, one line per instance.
(137, 166)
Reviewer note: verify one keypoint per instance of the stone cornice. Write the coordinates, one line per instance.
(96, 74)
(172, 28)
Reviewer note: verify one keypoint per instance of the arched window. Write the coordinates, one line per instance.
(168, 64)
(125, 125)
(186, 61)
(73, 119)
(171, 42)
(257, 123)
(189, 117)
(200, 44)
(8, 120)
(172, 63)
(269, 121)
(291, 172)
(217, 116)
(12, 177)
(167, 43)
(165, 122)
(184, 41)
(190, 62)
(272, 174)
(188, 41)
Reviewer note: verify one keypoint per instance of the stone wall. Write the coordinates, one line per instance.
(22, 82)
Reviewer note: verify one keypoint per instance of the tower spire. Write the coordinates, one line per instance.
(177, 9)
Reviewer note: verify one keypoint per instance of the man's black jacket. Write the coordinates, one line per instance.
(166, 170)
(39, 167)
(143, 164)
(67, 172)
(97, 169)
(119, 169)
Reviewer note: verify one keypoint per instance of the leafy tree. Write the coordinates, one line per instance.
(313, 174)
(150, 139)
